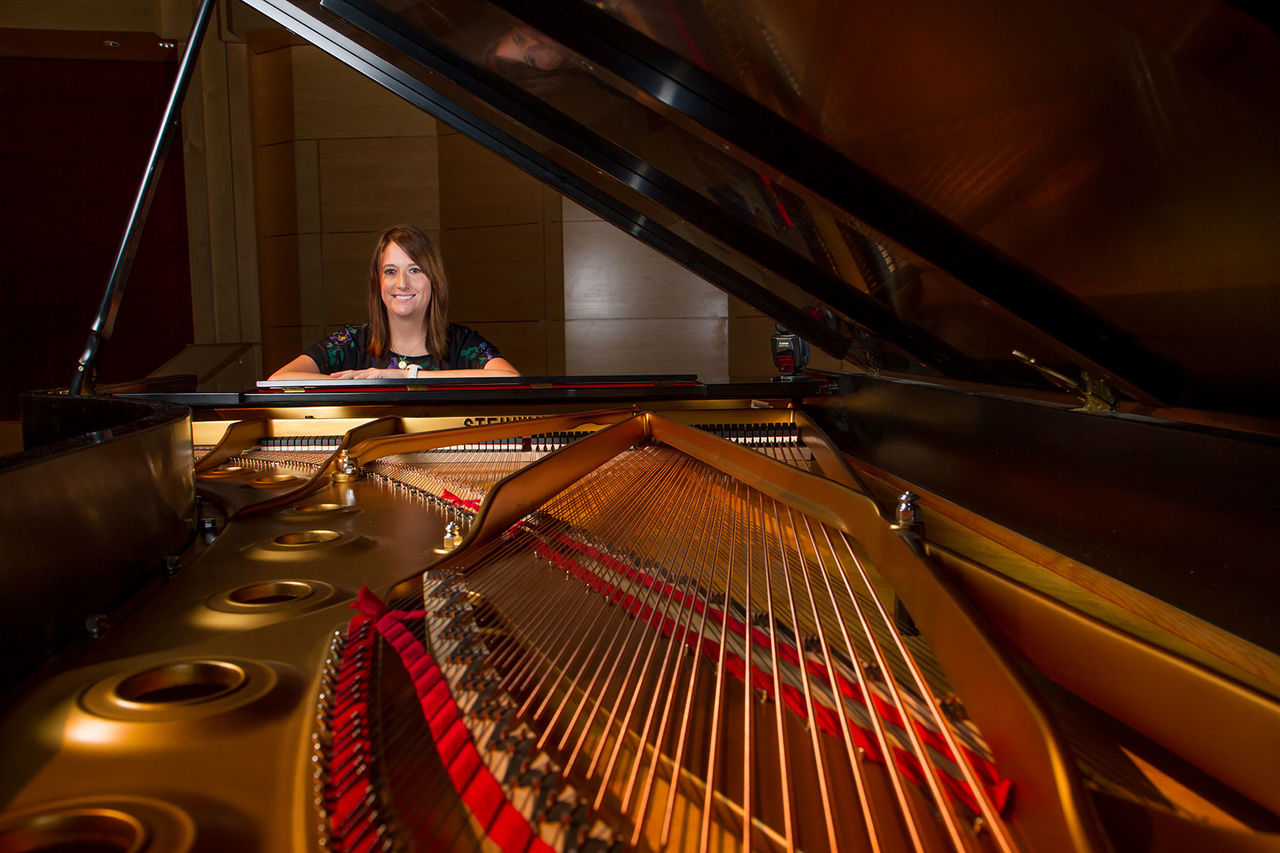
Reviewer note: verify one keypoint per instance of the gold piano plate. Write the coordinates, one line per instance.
(109, 824)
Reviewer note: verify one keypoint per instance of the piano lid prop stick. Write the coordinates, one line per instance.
(104, 323)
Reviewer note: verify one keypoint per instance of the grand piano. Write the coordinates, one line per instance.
(1003, 581)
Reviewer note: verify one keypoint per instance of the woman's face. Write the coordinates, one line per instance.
(524, 46)
(406, 289)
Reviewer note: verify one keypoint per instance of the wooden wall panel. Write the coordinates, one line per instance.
(553, 267)
(311, 279)
(283, 345)
(278, 270)
(306, 172)
(496, 273)
(210, 91)
(750, 353)
(557, 363)
(346, 276)
(271, 94)
(478, 188)
(368, 184)
(629, 309)
(277, 193)
(819, 360)
(292, 295)
(609, 274)
(524, 344)
(660, 345)
(242, 226)
(331, 101)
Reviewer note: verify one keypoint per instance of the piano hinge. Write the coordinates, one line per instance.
(1092, 391)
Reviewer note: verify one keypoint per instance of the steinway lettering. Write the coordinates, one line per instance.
(495, 419)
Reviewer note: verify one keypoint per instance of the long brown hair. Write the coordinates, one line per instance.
(418, 246)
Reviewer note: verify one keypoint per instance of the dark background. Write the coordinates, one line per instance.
(74, 141)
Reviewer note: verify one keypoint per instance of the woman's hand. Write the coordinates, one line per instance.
(371, 373)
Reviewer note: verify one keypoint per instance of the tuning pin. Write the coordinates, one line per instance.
(348, 467)
(908, 512)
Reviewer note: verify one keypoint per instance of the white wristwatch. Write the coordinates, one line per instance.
(413, 370)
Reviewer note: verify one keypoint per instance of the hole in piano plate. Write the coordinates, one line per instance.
(181, 683)
(307, 537)
(272, 592)
(221, 471)
(306, 545)
(75, 831)
(313, 513)
(317, 509)
(269, 480)
(282, 597)
(179, 690)
(97, 824)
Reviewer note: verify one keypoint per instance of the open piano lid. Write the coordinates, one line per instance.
(930, 188)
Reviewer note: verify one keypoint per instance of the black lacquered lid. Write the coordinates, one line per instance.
(927, 187)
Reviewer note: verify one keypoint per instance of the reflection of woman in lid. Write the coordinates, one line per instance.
(523, 45)
(408, 328)
(522, 53)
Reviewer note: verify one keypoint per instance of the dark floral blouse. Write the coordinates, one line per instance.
(348, 349)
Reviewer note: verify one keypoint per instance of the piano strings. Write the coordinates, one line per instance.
(676, 606)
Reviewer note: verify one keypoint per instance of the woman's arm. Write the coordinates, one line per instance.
(302, 367)
(492, 368)
(500, 366)
(305, 367)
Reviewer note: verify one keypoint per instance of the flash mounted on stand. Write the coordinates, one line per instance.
(790, 354)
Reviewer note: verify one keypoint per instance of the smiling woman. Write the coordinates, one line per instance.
(408, 329)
